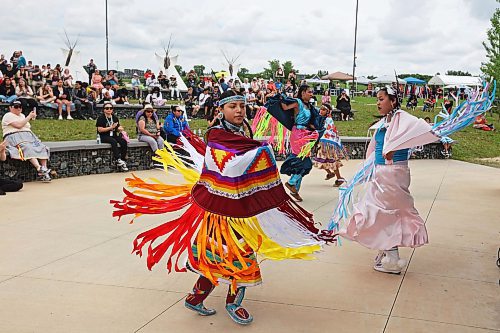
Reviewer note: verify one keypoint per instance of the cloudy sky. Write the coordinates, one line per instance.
(411, 36)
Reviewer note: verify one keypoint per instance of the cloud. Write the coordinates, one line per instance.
(421, 36)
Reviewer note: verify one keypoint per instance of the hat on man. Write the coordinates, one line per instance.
(15, 103)
(271, 80)
(135, 74)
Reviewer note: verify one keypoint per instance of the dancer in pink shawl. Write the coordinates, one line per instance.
(385, 218)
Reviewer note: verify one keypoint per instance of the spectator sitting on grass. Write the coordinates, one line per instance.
(148, 128)
(7, 90)
(21, 143)
(7, 185)
(45, 94)
(62, 98)
(412, 102)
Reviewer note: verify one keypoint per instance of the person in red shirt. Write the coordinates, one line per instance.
(271, 86)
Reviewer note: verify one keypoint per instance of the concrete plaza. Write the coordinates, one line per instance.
(66, 265)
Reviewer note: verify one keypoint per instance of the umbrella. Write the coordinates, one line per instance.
(337, 76)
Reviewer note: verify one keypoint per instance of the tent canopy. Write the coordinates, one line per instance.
(446, 80)
(317, 81)
(361, 80)
(337, 76)
(414, 80)
(387, 79)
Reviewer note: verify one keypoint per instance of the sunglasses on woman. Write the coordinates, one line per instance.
(108, 108)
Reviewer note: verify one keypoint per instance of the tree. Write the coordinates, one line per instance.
(273, 67)
(458, 73)
(199, 69)
(288, 67)
(243, 72)
(180, 70)
(492, 67)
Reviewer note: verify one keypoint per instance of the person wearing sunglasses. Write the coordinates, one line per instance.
(175, 124)
(108, 129)
(21, 143)
(148, 128)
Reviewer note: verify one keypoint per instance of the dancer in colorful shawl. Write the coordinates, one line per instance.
(302, 139)
(330, 151)
(385, 218)
(235, 209)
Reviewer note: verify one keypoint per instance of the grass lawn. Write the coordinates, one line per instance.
(472, 145)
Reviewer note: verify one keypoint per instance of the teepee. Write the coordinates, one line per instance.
(233, 67)
(167, 65)
(72, 59)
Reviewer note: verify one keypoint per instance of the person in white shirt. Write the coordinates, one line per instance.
(202, 99)
(246, 85)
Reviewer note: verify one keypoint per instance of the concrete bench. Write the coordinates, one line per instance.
(79, 158)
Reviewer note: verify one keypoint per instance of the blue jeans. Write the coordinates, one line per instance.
(8, 99)
(295, 180)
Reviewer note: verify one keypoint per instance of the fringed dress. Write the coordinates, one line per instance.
(233, 211)
(330, 151)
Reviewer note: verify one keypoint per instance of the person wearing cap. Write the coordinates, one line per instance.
(136, 85)
(174, 89)
(148, 128)
(271, 86)
(21, 143)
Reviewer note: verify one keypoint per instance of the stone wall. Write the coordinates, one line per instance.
(86, 157)
(78, 158)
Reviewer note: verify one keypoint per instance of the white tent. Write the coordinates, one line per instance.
(171, 70)
(387, 79)
(448, 80)
(361, 80)
(75, 65)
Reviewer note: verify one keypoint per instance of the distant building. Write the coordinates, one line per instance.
(128, 72)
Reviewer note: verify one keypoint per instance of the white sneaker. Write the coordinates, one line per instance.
(120, 162)
(390, 262)
(69, 117)
(60, 117)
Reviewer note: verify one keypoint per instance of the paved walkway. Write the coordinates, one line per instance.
(65, 266)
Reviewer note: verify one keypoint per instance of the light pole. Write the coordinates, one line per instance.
(354, 56)
(107, 64)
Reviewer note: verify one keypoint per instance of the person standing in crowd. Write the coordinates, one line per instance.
(91, 68)
(108, 129)
(21, 143)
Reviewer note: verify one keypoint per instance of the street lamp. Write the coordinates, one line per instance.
(354, 56)
(107, 64)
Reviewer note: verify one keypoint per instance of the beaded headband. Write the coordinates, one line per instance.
(235, 98)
